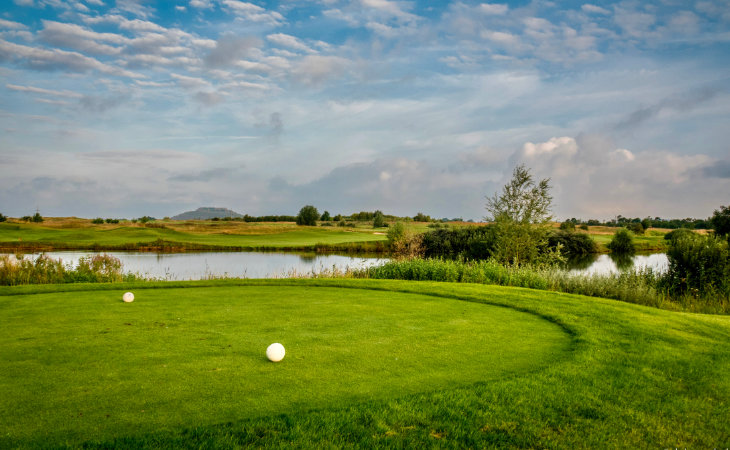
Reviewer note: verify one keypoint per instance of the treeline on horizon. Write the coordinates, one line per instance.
(617, 222)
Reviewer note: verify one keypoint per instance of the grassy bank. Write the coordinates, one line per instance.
(651, 241)
(603, 373)
(640, 287)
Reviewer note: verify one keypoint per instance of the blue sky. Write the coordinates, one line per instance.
(131, 107)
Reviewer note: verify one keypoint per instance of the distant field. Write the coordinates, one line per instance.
(369, 364)
(79, 233)
(73, 233)
(651, 240)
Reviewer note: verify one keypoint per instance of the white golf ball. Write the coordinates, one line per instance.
(128, 297)
(275, 352)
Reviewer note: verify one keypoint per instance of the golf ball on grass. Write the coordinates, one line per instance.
(275, 352)
(128, 297)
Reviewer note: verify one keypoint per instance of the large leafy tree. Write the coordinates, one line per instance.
(521, 200)
(521, 212)
(308, 215)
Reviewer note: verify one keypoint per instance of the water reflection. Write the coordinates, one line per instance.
(622, 262)
(196, 266)
(604, 264)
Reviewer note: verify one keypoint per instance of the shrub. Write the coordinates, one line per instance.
(721, 221)
(37, 218)
(646, 223)
(26, 218)
(678, 233)
(44, 270)
(420, 217)
(584, 227)
(462, 242)
(98, 221)
(308, 215)
(572, 243)
(699, 266)
(325, 216)
(622, 242)
(635, 227)
(378, 220)
(404, 243)
(341, 223)
(567, 226)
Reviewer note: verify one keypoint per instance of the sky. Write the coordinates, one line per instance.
(131, 107)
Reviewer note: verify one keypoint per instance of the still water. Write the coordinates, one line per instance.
(196, 266)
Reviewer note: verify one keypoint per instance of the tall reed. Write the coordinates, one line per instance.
(640, 286)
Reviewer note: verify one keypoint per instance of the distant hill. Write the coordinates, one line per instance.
(206, 213)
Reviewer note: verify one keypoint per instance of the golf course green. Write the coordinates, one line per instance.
(385, 363)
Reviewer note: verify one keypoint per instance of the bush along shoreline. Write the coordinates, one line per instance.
(45, 270)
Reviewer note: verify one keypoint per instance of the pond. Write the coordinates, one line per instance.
(196, 266)
(604, 264)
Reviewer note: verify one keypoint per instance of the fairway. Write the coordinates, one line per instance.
(222, 235)
(83, 365)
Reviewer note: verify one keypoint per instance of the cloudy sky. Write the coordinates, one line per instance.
(132, 107)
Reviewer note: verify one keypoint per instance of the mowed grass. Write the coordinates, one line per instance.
(611, 374)
(651, 240)
(84, 365)
(228, 234)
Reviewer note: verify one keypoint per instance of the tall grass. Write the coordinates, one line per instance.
(640, 286)
(46, 270)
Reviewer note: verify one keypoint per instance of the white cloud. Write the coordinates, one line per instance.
(494, 8)
(593, 179)
(313, 70)
(289, 41)
(8, 24)
(135, 7)
(37, 90)
(253, 13)
(593, 9)
(563, 146)
(201, 4)
(80, 38)
(55, 59)
(189, 82)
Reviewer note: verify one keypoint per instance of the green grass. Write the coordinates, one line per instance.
(479, 366)
(650, 241)
(222, 235)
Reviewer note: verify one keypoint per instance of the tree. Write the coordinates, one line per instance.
(521, 213)
(37, 217)
(635, 227)
(325, 216)
(308, 215)
(720, 221)
(404, 243)
(521, 200)
(3, 218)
(567, 226)
(378, 220)
(622, 242)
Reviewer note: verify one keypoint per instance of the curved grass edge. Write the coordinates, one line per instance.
(638, 377)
